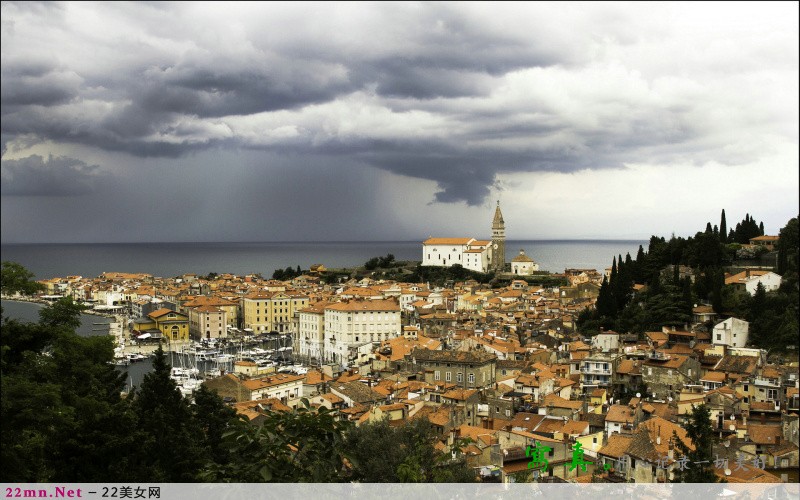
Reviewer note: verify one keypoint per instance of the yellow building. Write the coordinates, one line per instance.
(272, 311)
(174, 326)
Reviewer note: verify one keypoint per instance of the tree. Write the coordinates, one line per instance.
(63, 417)
(215, 418)
(788, 246)
(170, 441)
(15, 278)
(723, 228)
(301, 445)
(407, 454)
(701, 437)
(64, 312)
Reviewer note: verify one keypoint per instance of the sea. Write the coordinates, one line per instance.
(174, 259)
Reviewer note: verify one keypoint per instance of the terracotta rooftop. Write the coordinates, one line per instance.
(616, 446)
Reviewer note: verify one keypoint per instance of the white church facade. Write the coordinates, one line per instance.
(473, 254)
(470, 253)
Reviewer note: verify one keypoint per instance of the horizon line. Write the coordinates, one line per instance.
(292, 241)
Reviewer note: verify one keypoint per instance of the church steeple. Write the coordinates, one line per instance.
(498, 217)
(498, 240)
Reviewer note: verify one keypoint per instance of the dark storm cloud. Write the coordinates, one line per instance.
(55, 176)
(473, 90)
(36, 83)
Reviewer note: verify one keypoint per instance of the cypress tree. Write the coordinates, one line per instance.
(639, 272)
(605, 300)
(761, 228)
(723, 228)
(708, 228)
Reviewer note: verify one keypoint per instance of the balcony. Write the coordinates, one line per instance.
(596, 371)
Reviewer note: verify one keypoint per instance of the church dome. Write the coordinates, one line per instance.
(522, 257)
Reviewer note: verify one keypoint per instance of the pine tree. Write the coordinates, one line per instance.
(701, 436)
(214, 418)
(723, 228)
(170, 439)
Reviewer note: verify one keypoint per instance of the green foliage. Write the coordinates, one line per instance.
(701, 434)
(406, 454)
(63, 313)
(723, 228)
(380, 262)
(746, 230)
(63, 417)
(214, 418)
(788, 248)
(286, 274)
(439, 276)
(302, 445)
(773, 318)
(169, 441)
(15, 278)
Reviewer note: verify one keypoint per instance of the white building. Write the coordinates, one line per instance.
(606, 342)
(311, 331)
(351, 324)
(470, 253)
(732, 332)
(749, 280)
(523, 265)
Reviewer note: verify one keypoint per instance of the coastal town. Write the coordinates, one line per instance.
(499, 363)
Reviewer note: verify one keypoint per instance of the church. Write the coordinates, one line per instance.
(476, 255)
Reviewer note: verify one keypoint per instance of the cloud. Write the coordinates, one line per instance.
(459, 94)
(56, 176)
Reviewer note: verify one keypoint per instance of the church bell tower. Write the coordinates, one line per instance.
(498, 240)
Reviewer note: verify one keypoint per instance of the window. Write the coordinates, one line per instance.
(459, 377)
(437, 375)
(471, 378)
(448, 376)
(508, 413)
(772, 394)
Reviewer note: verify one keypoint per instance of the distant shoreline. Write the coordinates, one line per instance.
(34, 300)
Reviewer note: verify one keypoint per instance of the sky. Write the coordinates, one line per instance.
(269, 121)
